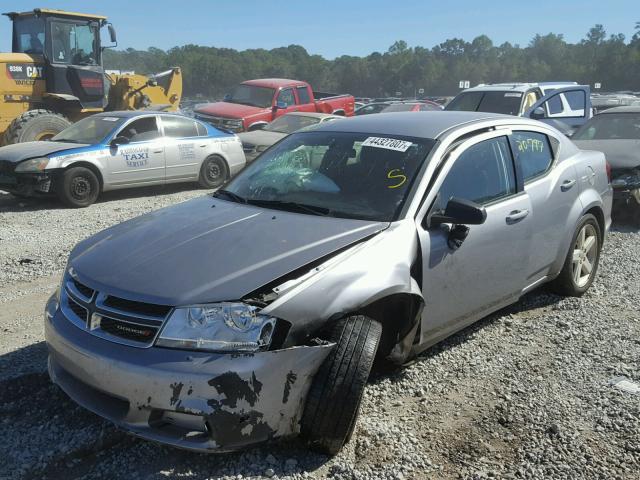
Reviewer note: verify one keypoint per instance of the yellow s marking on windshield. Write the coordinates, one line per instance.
(401, 178)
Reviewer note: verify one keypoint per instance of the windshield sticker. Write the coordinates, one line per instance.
(186, 151)
(136, 157)
(513, 94)
(109, 119)
(530, 145)
(396, 175)
(388, 143)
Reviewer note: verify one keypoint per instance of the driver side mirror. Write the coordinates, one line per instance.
(460, 212)
(227, 97)
(280, 106)
(112, 34)
(538, 113)
(119, 140)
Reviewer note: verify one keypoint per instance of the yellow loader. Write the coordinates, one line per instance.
(54, 76)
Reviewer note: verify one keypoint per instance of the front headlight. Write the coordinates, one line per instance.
(223, 327)
(34, 165)
(233, 124)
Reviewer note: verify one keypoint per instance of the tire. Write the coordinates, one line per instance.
(35, 125)
(569, 282)
(213, 172)
(78, 187)
(335, 395)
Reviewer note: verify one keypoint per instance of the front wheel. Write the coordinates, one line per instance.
(78, 187)
(581, 263)
(334, 398)
(213, 172)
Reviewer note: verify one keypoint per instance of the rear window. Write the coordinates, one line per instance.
(532, 152)
(507, 103)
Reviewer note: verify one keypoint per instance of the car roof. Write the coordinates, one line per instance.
(310, 114)
(627, 109)
(273, 82)
(501, 87)
(412, 124)
(136, 113)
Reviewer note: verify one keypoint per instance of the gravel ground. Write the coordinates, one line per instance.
(525, 393)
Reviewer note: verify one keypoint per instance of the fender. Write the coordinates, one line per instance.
(257, 125)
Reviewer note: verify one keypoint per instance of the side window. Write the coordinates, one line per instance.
(483, 173)
(533, 153)
(179, 127)
(141, 130)
(554, 105)
(202, 130)
(74, 44)
(286, 97)
(303, 95)
(566, 104)
(529, 99)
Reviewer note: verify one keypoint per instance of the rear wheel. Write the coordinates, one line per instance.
(35, 125)
(78, 187)
(334, 398)
(581, 264)
(213, 172)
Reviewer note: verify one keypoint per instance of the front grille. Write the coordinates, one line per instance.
(215, 121)
(80, 311)
(137, 308)
(128, 330)
(83, 289)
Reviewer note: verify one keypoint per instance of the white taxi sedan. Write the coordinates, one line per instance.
(118, 150)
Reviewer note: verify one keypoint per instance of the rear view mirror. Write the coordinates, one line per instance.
(460, 212)
(119, 140)
(227, 97)
(538, 113)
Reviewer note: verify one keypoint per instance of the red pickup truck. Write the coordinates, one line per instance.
(255, 103)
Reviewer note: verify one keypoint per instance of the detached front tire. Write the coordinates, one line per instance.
(335, 395)
(581, 264)
(78, 187)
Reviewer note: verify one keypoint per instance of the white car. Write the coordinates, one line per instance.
(117, 150)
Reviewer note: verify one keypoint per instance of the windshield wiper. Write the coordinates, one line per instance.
(66, 140)
(290, 206)
(234, 197)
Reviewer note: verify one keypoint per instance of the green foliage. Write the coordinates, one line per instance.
(211, 71)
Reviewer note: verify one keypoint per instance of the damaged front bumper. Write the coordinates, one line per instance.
(194, 400)
(626, 186)
(26, 184)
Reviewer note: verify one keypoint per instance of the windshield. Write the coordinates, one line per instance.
(349, 175)
(74, 43)
(507, 103)
(28, 35)
(89, 130)
(610, 126)
(291, 123)
(252, 96)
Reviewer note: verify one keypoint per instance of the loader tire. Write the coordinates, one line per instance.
(35, 125)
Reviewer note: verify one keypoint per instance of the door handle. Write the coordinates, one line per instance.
(157, 151)
(516, 216)
(567, 184)
(203, 145)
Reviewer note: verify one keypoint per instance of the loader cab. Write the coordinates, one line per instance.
(70, 46)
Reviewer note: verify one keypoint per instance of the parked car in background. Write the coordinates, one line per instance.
(254, 103)
(373, 107)
(257, 141)
(565, 106)
(116, 150)
(616, 133)
(422, 106)
(403, 229)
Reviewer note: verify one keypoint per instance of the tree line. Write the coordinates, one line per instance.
(211, 72)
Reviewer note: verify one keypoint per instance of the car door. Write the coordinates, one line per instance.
(137, 156)
(303, 99)
(285, 102)
(553, 190)
(185, 147)
(564, 108)
(488, 270)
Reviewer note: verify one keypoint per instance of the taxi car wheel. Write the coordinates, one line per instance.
(78, 187)
(340, 381)
(581, 264)
(213, 172)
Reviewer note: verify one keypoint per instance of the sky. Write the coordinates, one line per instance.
(332, 28)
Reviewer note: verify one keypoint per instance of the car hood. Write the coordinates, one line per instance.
(619, 153)
(261, 137)
(229, 110)
(22, 151)
(208, 250)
